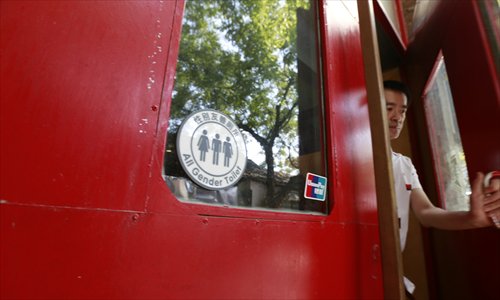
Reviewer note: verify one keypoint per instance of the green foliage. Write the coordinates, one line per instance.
(240, 57)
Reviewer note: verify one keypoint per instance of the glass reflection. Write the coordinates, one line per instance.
(256, 61)
(448, 153)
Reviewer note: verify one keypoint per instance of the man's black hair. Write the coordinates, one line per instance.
(399, 87)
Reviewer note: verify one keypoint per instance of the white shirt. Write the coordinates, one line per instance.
(405, 180)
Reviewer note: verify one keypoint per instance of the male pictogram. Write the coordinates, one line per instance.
(216, 148)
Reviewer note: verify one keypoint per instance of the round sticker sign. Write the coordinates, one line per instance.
(211, 149)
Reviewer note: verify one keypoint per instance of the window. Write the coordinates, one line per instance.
(448, 153)
(391, 11)
(256, 62)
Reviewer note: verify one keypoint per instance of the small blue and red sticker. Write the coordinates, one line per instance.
(315, 187)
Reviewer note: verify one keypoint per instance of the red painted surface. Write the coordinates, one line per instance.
(456, 28)
(85, 91)
(401, 20)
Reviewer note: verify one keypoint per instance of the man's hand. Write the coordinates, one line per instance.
(478, 198)
(492, 201)
(484, 208)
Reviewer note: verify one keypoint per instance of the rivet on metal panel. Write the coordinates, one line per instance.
(204, 221)
(154, 107)
(257, 222)
(135, 217)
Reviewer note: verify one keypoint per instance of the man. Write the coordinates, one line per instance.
(484, 202)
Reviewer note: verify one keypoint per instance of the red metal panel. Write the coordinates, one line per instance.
(473, 79)
(353, 174)
(85, 212)
(348, 115)
(79, 80)
(82, 253)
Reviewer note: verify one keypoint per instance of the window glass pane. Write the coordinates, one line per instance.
(256, 62)
(390, 10)
(448, 153)
(423, 10)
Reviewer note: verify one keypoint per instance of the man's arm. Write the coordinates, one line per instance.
(432, 216)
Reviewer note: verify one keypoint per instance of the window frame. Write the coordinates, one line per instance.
(211, 210)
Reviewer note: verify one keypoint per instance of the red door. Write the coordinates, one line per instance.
(463, 35)
(85, 213)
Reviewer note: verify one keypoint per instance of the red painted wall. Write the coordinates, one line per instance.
(85, 91)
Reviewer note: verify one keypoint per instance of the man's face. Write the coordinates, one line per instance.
(396, 106)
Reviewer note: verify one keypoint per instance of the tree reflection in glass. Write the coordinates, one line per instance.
(256, 61)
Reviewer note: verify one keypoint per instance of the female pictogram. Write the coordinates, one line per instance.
(203, 145)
